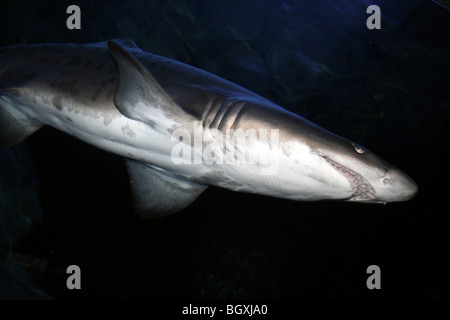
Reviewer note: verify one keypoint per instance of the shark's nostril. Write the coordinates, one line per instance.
(402, 186)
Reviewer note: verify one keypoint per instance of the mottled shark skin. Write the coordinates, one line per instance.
(128, 102)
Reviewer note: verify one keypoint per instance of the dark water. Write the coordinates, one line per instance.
(387, 89)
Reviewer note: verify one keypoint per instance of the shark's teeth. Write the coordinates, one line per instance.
(362, 189)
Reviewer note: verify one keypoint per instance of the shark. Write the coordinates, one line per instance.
(181, 129)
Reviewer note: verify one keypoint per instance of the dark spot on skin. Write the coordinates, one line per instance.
(73, 62)
(66, 85)
(111, 80)
(104, 83)
(111, 92)
(69, 86)
(74, 92)
(100, 67)
(96, 94)
(57, 102)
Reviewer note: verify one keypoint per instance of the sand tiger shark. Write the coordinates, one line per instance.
(121, 99)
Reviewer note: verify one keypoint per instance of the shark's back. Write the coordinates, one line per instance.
(86, 76)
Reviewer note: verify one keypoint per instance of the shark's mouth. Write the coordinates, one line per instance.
(362, 189)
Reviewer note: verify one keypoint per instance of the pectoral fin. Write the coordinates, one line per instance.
(156, 194)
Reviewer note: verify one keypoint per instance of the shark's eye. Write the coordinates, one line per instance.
(358, 148)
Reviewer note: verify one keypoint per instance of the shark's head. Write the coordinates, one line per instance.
(319, 165)
(346, 170)
(370, 178)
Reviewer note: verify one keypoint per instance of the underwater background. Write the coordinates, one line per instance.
(64, 202)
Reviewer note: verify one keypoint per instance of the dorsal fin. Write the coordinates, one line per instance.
(139, 96)
(123, 42)
(126, 43)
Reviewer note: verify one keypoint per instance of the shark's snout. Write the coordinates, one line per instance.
(372, 184)
(398, 186)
